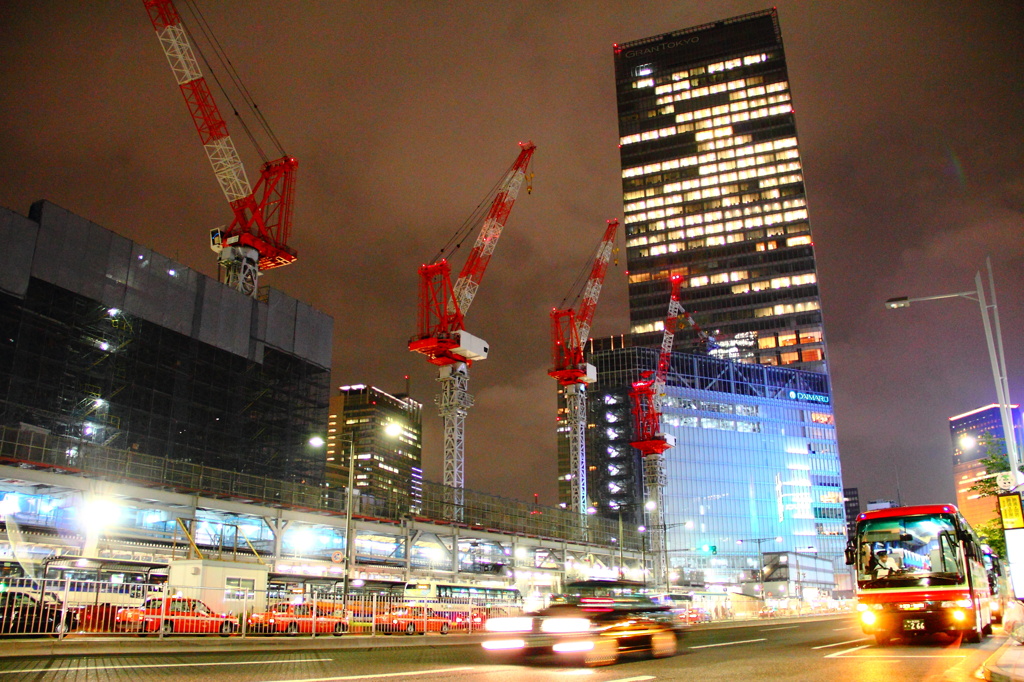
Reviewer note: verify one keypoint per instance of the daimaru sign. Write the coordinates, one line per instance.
(810, 397)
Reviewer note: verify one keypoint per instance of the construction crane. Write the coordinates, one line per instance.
(441, 335)
(257, 238)
(569, 333)
(646, 395)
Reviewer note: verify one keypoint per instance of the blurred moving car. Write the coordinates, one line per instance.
(291, 618)
(412, 620)
(26, 611)
(174, 615)
(586, 634)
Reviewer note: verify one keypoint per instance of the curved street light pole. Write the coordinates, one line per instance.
(994, 341)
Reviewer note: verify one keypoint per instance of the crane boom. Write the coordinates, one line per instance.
(441, 336)
(257, 238)
(646, 396)
(569, 332)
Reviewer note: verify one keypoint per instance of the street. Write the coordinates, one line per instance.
(827, 648)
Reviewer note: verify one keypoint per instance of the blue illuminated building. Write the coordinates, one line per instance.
(755, 458)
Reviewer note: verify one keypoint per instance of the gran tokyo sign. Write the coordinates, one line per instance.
(679, 42)
(810, 397)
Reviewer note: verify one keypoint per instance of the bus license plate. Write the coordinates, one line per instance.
(913, 624)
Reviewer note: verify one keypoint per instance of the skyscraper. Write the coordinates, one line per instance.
(975, 436)
(713, 191)
(389, 464)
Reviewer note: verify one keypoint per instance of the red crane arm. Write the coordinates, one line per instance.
(262, 217)
(473, 271)
(570, 329)
(442, 305)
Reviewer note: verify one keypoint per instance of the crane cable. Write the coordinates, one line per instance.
(475, 218)
(233, 75)
(583, 276)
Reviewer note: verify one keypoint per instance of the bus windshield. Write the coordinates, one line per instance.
(920, 546)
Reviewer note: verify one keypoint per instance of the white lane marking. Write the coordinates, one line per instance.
(377, 676)
(158, 665)
(847, 651)
(746, 641)
(852, 627)
(785, 627)
(641, 678)
(924, 656)
(849, 641)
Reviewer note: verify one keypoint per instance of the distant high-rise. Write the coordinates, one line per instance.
(969, 432)
(851, 501)
(388, 450)
(713, 191)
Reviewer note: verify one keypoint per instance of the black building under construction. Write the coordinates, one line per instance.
(108, 343)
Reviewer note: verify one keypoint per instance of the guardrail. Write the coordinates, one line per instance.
(64, 607)
(29, 447)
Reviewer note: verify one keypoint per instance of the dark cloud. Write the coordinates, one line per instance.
(403, 114)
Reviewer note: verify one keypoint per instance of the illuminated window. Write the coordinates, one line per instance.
(798, 241)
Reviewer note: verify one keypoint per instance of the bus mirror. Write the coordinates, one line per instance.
(851, 554)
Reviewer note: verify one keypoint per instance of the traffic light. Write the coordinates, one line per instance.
(709, 549)
(714, 549)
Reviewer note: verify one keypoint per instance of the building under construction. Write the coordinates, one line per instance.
(109, 343)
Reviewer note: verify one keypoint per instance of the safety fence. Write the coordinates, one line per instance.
(63, 608)
(24, 447)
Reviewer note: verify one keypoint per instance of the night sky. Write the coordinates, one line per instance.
(403, 115)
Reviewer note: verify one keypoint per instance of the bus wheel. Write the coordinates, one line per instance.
(882, 638)
(410, 629)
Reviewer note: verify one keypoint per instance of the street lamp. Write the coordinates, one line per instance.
(995, 355)
(760, 558)
(392, 430)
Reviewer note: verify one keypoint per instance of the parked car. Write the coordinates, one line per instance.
(294, 617)
(696, 616)
(174, 615)
(581, 635)
(412, 620)
(27, 611)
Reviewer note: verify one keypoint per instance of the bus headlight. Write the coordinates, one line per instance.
(868, 618)
(959, 615)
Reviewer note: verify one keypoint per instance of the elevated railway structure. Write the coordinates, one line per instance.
(60, 498)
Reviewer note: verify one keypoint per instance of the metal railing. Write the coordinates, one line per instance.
(66, 607)
(490, 512)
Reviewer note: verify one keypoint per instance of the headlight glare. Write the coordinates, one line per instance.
(565, 625)
(509, 625)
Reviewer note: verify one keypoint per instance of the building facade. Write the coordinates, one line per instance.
(387, 433)
(851, 498)
(755, 459)
(971, 434)
(713, 191)
(111, 344)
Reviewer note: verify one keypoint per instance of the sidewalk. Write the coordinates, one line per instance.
(121, 646)
(1006, 664)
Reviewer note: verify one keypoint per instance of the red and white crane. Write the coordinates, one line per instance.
(257, 238)
(646, 395)
(569, 333)
(441, 335)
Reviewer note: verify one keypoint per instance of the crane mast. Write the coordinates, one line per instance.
(646, 395)
(569, 332)
(257, 237)
(441, 336)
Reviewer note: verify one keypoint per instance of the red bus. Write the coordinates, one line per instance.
(920, 570)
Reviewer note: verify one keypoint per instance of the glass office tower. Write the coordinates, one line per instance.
(755, 459)
(713, 191)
